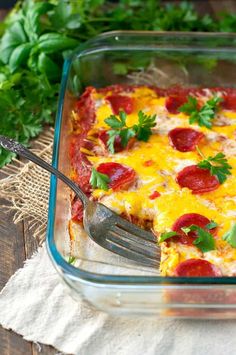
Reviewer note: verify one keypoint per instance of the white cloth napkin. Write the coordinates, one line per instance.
(36, 305)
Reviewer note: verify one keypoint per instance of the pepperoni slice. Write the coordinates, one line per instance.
(121, 176)
(197, 268)
(119, 102)
(81, 165)
(86, 109)
(77, 211)
(196, 179)
(229, 101)
(174, 102)
(184, 139)
(187, 220)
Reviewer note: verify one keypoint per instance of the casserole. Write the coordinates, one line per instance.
(112, 285)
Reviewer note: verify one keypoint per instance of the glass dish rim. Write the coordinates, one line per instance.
(59, 262)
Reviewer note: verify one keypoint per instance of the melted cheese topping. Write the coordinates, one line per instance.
(218, 205)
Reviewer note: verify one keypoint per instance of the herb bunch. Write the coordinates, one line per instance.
(38, 35)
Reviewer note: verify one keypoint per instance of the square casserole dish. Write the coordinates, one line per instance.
(106, 281)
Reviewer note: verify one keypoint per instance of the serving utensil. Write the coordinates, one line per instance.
(103, 226)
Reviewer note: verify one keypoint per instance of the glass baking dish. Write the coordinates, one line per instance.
(106, 281)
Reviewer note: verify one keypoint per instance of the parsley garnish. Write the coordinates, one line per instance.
(166, 235)
(211, 225)
(99, 180)
(205, 241)
(142, 130)
(186, 230)
(230, 236)
(217, 165)
(204, 115)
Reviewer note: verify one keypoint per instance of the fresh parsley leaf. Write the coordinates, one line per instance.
(190, 106)
(186, 230)
(5, 157)
(142, 130)
(230, 236)
(166, 235)
(217, 165)
(202, 116)
(111, 141)
(116, 121)
(26, 104)
(211, 225)
(205, 241)
(126, 134)
(98, 180)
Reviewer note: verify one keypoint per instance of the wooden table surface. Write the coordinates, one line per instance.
(17, 243)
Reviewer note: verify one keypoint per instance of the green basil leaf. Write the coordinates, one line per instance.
(33, 61)
(19, 56)
(10, 40)
(47, 66)
(54, 42)
(33, 12)
(17, 32)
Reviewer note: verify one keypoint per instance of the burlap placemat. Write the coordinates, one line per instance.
(26, 186)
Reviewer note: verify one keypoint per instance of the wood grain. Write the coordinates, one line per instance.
(16, 244)
(12, 255)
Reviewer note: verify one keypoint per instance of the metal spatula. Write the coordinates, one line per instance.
(103, 226)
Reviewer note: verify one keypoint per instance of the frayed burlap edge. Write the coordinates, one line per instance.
(26, 186)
